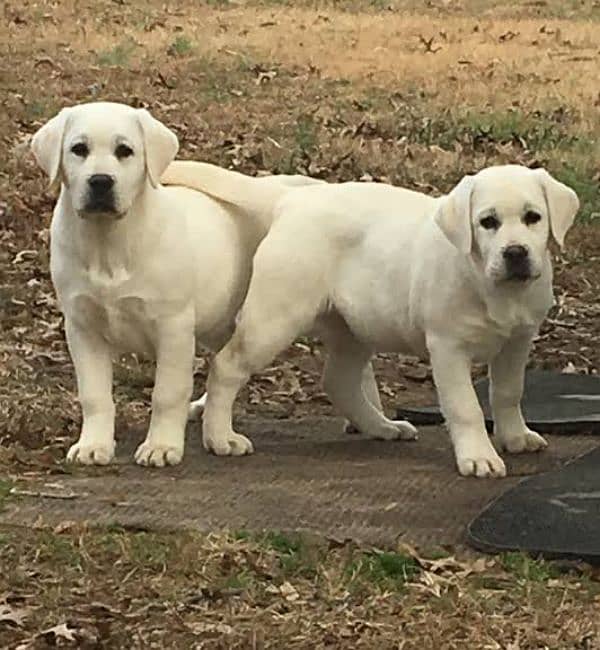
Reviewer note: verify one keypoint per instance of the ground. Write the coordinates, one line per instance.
(414, 93)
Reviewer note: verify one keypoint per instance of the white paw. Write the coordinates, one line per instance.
(154, 454)
(483, 462)
(528, 441)
(232, 444)
(196, 409)
(86, 453)
(394, 430)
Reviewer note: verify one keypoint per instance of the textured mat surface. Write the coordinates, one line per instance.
(555, 514)
(552, 403)
(305, 475)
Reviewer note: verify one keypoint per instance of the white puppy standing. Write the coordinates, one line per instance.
(139, 267)
(462, 278)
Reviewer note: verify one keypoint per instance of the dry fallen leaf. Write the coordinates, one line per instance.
(13, 615)
(200, 628)
(60, 631)
(289, 592)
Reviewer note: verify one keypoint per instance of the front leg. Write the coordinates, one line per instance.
(475, 454)
(172, 391)
(93, 367)
(507, 375)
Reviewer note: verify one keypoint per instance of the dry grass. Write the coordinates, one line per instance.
(342, 91)
(471, 59)
(274, 591)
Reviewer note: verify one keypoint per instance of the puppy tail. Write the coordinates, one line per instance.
(257, 195)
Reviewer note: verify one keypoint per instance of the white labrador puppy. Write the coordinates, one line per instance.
(462, 278)
(139, 267)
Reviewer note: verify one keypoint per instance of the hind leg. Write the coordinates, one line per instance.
(369, 386)
(218, 341)
(196, 408)
(283, 300)
(348, 379)
(371, 391)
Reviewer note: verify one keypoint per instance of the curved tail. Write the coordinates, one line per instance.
(257, 195)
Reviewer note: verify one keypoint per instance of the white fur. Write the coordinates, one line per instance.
(371, 267)
(166, 269)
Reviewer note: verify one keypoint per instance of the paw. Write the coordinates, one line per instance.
(156, 454)
(91, 453)
(394, 430)
(196, 409)
(482, 463)
(528, 441)
(232, 444)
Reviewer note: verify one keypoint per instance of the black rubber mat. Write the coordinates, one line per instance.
(556, 514)
(552, 403)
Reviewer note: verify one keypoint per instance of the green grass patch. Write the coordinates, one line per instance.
(241, 535)
(216, 83)
(146, 550)
(118, 56)
(306, 134)
(535, 130)
(150, 550)
(585, 184)
(58, 550)
(239, 581)
(387, 570)
(5, 488)
(297, 556)
(527, 568)
(181, 46)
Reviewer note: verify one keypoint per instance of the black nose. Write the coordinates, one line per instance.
(101, 183)
(515, 253)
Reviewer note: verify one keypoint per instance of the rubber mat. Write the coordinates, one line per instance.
(552, 403)
(305, 475)
(556, 515)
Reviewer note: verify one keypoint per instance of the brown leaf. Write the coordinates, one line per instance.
(60, 631)
(13, 615)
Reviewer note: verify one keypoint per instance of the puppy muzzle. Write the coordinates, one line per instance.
(517, 263)
(100, 197)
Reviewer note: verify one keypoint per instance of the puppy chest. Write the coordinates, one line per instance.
(124, 322)
(485, 344)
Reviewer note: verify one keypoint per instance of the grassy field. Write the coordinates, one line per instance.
(414, 93)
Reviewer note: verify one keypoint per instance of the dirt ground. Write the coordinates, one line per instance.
(413, 93)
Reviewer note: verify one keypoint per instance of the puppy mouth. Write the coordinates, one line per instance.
(98, 211)
(520, 276)
(103, 206)
(515, 276)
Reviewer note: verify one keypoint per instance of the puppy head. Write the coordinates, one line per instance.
(104, 153)
(502, 217)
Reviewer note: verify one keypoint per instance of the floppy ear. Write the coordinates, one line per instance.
(47, 144)
(160, 144)
(562, 203)
(454, 215)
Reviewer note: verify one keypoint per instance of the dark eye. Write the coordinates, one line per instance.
(80, 149)
(531, 217)
(123, 151)
(490, 223)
